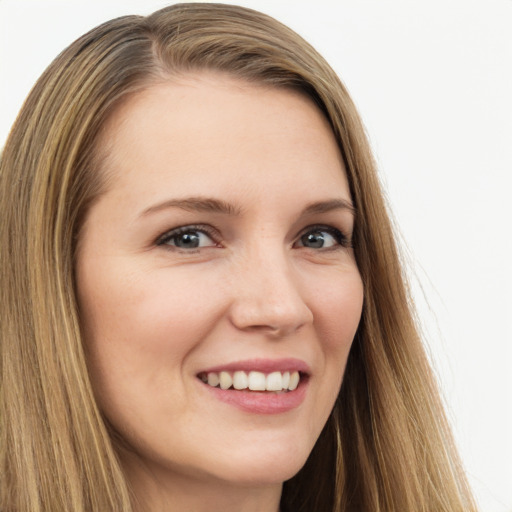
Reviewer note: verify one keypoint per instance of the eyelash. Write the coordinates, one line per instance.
(340, 237)
(192, 228)
(342, 240)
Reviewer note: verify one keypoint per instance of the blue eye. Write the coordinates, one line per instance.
(322, 238)
(187, 238)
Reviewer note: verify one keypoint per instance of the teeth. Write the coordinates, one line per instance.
(240, 380)
(294, 381)
(213, 379)
(225, 380)
(275, 381)
(255, 381)
(286, 380)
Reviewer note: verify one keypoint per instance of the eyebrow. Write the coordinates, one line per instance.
(212, 205)
(196, 204)
(330, 205)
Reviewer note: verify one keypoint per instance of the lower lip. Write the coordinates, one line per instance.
(261, 402)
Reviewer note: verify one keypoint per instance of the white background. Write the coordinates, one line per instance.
(433, 82)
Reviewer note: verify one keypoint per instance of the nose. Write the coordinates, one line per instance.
(267, 297)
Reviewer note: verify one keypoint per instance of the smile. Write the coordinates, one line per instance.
(258, 386)
(275, 381)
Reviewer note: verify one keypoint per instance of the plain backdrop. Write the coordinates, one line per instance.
(433, 83)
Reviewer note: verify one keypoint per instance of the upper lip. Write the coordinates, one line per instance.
(288, 364)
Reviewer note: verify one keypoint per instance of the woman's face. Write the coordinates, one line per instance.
(220, 251)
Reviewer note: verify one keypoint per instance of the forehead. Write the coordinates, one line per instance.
(209, 129)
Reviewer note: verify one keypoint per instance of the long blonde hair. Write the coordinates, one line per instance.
(386, 446)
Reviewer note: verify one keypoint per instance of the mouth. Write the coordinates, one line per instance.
(276, 381)
(259, 386)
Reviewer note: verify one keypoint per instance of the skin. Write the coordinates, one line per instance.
(155, 314)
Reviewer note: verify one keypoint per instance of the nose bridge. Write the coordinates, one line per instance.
(267, 295)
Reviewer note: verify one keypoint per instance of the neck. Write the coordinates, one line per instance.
(163, 490)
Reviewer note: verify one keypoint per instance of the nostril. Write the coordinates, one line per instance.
(267, 317)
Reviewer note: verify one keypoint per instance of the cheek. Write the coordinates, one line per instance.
(337, 315)
(338, 310)
(117, 304)
(336, 298)
(140, 327)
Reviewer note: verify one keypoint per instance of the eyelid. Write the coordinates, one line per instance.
(343, 239)
(211, 232)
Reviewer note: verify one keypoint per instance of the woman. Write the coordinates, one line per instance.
(201, 296)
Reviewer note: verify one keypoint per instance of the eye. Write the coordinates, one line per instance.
(188, 237)
(322, 237)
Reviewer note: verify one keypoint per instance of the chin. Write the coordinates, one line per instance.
(265, 466)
